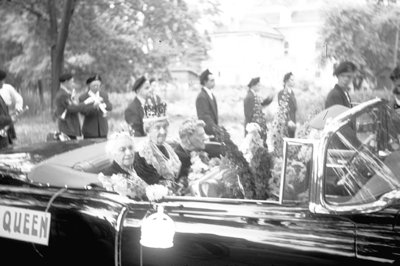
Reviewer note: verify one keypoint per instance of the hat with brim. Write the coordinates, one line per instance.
(345, 67)
(138, 83)
(93, 78)
(319, 121)
(65, 77)
(253, 82)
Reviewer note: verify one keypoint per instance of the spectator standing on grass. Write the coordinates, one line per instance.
(134, 113)
(95, 124)
(13, 101)
(286, 97)
(252, 101)
(67, 107)
(340, 93)
(206, 103)
(5, 121)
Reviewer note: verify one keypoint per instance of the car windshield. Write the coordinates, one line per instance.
(363, 158)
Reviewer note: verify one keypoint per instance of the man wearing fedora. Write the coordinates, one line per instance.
(206, 103)
(134, 113)
(340, 93)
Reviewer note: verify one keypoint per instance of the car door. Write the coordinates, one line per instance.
(246, 233)
(210, 231)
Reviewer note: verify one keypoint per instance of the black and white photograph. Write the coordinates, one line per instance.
(199, 132)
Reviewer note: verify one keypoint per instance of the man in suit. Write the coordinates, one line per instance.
(5, 121)
(12, 99)
(251, 100)
(134, 113)
(67, 107)
(206, 103)
(95, 124)
(340, 93)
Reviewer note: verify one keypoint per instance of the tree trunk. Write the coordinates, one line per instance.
(58, 41)
(40, 91)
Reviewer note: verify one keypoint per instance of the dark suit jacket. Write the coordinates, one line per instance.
(5, 120)
(337, 96)
(70, 126)
(95, 125)
(207, 110)
(134, 114)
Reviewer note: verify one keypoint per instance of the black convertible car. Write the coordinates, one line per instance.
(337, 202)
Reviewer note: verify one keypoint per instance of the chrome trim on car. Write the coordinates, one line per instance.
(118, 236)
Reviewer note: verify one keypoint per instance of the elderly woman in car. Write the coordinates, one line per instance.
(120, 176)
(156, 162)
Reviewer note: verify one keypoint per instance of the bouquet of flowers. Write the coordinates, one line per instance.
(130, 186)
(203, 174)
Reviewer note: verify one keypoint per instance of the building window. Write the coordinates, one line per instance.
(286, 47)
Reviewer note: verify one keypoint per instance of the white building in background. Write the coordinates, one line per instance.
(269, 41)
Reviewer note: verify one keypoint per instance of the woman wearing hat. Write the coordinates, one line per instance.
(287, 100)
(134, 113)
(156, 161)
(340, 93)
(252, 102)
(95, 124)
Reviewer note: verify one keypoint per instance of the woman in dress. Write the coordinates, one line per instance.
(156, 162)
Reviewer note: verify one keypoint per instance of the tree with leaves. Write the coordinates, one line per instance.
(120, 38)
(365, 34)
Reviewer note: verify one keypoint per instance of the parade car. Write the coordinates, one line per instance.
(338, 202)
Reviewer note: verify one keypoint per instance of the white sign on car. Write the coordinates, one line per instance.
(26, 225)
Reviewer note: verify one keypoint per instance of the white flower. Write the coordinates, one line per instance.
(156, 192)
